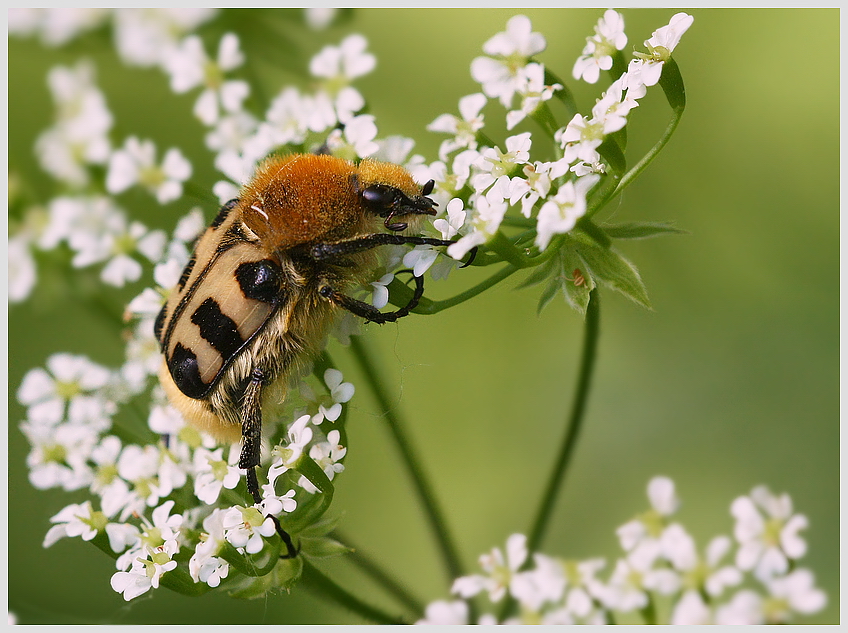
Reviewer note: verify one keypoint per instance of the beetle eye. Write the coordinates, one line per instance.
(427, 189)
(377, 196)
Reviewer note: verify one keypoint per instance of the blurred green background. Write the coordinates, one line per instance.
(731, 381)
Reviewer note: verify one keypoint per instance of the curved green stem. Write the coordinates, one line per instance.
(557, 476)
(325, 587)
(639, 167)
(382, 577)
(410, 459)
(587, 362)
(427, 306)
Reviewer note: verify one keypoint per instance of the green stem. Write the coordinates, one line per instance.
(382, 577)
(419, 480)
(325, 587)
(426, 306)
(587, 362)
(649, 611)
(639, 167)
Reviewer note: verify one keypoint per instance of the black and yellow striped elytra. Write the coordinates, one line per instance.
(266, 281)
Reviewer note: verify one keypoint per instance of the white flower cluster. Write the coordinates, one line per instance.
(70, 407)
(500, 179)
(661, 559)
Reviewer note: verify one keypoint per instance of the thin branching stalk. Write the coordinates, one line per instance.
(413, 465)
(326, 588)
(427, 306)
(392, 586)
(575, 420)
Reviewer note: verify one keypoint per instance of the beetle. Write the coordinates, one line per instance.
(267, 280)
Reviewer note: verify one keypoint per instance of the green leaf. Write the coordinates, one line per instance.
(671, 81)
(323, 547)
(539, 274)
(322, 527)
(566, 273)
(609, 267)
(253, 565)
(641, 230)
(285, 574)
(578, 283)
(547, 294)
(612, 155)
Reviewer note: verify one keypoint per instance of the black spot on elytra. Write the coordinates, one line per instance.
(223, 213)
(217, 328)
(260, 280)
(186, 373)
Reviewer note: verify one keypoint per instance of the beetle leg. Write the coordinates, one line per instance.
(366, 310)
(332, 250)
(251, 430)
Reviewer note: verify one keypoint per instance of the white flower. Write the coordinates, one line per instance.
(212, 474)
(484, 223)
(597, 54)
(121, 536)
(274, 504)
(494, 163)
(767, 543)
(347, 61)
(105, 457)
(500, 572)
(583, 590)
(136, 164)
(464, 127)
(190, 67)
(319, 18)
(22, 273)
(140, 466)
(380, 294)
(338, 66)
(330, 406)
(327, 455)
(147, 37)
(535, 185)
(580, 139)
(746, 607)
(145, 573)
(245, 527)
(691, 609)
(444, 612)
(204, 565)
(75, 520)
(421, 258)
(533, 93)
(632, 578)
(559, 214)
(611, 111)
(299, 435)
(70, 379)
(509, 51)
(233, 133)
(356, 140)
(662, 42)
(706, 574)
(545, 583)
(794, 592)
(80, 135)
(395, 149)
(285, 122)
(55, 26)
(59, 455)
